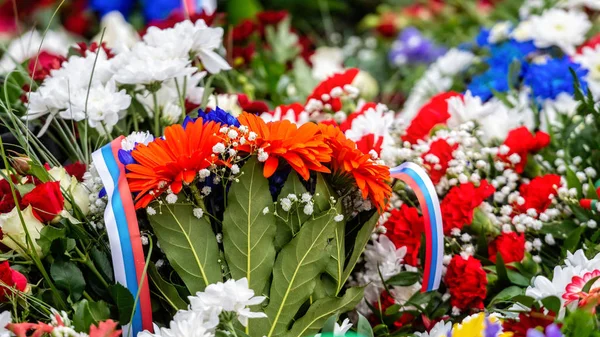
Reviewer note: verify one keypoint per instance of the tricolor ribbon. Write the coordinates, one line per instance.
(192, 7)
(418, 180)
(124, 235)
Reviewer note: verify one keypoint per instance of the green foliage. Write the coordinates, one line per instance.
(124, 302)
(88, 313)
(248, 232)
(189, 244)
(69, 278)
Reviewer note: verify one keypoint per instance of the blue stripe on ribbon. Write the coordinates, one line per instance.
(432, 222)
(123, 229)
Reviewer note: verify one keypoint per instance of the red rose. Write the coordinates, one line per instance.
(443, 154)
(254, 107)
(387, 29)
(243, 30)
(76, 170)
(537, 193)
(404, 229)
(271, 17)
(7, 202)
(510, 245)
(431, 114)
(324, 88)
(522, 142)
(46, 201)
(45, 63)
(10, 279)
(460, 202)
(466, 281)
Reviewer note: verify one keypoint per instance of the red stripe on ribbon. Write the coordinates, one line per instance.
(145, 305)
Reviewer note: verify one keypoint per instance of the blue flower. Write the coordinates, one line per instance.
(159, 9)
(412, 47)
(277, 180)
(551, 330)
(125, 157)
(494, 79)
(483, 37)
(502, 55)
(549, 79)
(217, 115)
(105, 6)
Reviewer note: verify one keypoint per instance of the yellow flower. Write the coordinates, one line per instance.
(471, 326)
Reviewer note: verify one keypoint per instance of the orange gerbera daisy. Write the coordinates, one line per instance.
(303, 148)
(172, 161)
(372, 179)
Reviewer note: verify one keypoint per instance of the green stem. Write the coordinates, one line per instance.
(88, 263)
(232, 329)
(157, 132)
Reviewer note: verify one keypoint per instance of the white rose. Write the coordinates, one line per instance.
(75, 191)
(14, 231)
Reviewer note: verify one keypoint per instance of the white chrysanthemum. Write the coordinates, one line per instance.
(590, 60)
(227, 102)
(438, 78)
(232, 296)
(172, 90)
(558, 27)
(440, 329)
(148, 64)
(339, 330)
(188, 324)
(119, 35)
(563, 104)
(467, 108)
(104, 106)
(327, 61)
(142, 137)
(593, 4)
(500, 32)
(28, 44)
(171, 112)
(64, 86)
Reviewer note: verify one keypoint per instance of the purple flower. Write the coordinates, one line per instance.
(552, 330)
(492, 328)
(412, 47)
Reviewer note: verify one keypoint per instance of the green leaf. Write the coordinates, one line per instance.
(507, 294)
(68, 277)
(589, 284)
(323, 194)
(329, 326)
(237, 10)
(47, 235)
(363, 327)
(124, 301)
(166, 289)
(360, 242)
(295, 273)
(89, 313)
(517, 278)
(572, 240)
(501, 270)
(189, 244)
(524, 300)
(552, 303)
(305, 83)
(591, 192)
(573, 182)
(404, 279)
(320, 310)
(248, 234)
(102, 263)
(287, 230)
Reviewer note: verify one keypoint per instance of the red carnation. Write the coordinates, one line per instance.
(11, 279)
(347, 124)
(76, 18)
(466, 281)
(45, 63)
(511, 247)
(242, 55)
(370, 142)
(443, 152)
(271, 17)
(242, 31)
(324, 88)
(522, 142)
(404, 229)
(460, 203)
(46, 201)
(431, 114)
(254, 107)
(77, 170)
(537, 193)
(7, 202)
